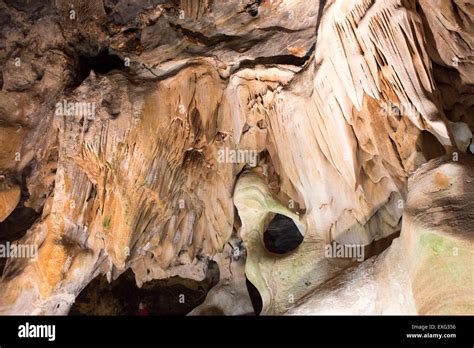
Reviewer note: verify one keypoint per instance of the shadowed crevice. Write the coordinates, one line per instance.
(282, 235)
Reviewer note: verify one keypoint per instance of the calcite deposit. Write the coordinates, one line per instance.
(430, 268)
(158, 136)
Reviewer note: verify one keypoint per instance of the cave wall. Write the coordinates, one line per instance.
(330, 100)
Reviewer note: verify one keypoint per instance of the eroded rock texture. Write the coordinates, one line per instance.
(429, 269)
(145, 135)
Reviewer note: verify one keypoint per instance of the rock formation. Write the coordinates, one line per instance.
(147, 135)
(429, 269)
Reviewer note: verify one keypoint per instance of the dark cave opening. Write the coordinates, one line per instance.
(429, 145)
(255, 297)
(252, 8)
(15, 226)
(172, 296)
(101, 63)
(21, 219)
(282, 235)
(470, 148)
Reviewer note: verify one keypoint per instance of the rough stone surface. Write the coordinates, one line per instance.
(429, 269)
(332, 104)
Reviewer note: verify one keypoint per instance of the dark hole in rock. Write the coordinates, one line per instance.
(255, 297)
(21, 219)
(173, 296)
(15, 226)
(109, 6)
(282, 235)
(378, 246)
(100, 64)
(252, 9)
(429, 146)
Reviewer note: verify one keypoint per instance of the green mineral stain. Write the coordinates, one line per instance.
(456, 266)
(436, 243)
(106, 221)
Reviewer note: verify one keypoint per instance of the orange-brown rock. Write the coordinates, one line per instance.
(133, 130)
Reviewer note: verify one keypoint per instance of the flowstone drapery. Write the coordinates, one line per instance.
(146, 135)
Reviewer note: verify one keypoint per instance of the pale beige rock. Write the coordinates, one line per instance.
(341, 100)
(9, 197)
(462, 135)
(439, 238)
(280, 279)
(229, 296)
(429, 269)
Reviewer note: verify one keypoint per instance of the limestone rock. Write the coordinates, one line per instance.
(145, 134)
(9, 197)
(230, 295)
(429, 269)
(438, 233)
